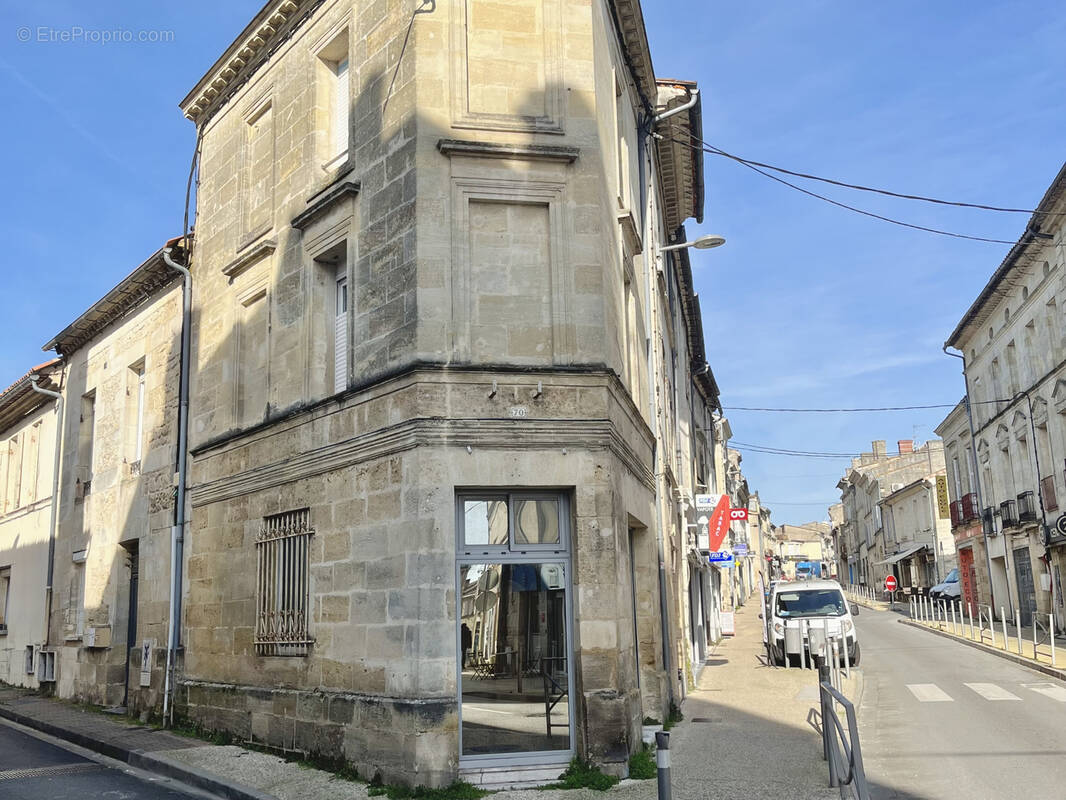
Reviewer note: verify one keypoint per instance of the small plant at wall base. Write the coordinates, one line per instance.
(675, 716)
(581, 775)
(651, 721)
(457, 791)
(642, 766)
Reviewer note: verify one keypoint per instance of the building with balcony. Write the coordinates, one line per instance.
(1012, 341)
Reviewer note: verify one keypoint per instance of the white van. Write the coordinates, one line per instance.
(801, 605)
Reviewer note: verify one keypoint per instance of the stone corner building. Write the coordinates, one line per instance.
(425, 411)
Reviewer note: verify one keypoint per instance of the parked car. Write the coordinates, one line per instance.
(950, 589)
(819, 604)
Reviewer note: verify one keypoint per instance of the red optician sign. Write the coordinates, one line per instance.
(890, 583)
(738, 513)
(718, 525)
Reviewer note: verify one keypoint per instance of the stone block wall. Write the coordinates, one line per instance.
(129, 506)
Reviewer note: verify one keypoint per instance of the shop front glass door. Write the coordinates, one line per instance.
(515, 664)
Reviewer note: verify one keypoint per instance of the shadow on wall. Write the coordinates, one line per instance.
(528, 293)
(112, 556)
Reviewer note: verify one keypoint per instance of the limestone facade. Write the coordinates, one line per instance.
(116, 491)
(425, 274)
(873, 476)
(28, 423)
(913, 518)
(1013, 343)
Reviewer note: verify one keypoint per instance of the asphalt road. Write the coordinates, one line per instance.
(32, 768)
(939, 719)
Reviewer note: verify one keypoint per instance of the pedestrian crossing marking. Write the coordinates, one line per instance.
(929, 693)
(989, 691)
(1049, 690)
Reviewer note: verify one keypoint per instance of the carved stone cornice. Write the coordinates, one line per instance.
(502, 434)
(323, 201)
(522, 152)
(249, 257)
(271, 26)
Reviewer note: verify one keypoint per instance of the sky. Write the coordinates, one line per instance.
(807, 305)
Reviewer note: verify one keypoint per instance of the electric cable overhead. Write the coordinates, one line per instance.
(710, 148)
(863, 212)
(857, 410)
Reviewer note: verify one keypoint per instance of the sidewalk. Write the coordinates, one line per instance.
(745, 735)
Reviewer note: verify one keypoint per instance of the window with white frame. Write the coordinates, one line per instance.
(282, 626)
(335, 96)
(135, 400)
(340, 329)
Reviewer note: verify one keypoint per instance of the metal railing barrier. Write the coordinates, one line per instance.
(841, 748)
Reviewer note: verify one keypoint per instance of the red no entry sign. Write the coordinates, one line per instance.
(890, 583)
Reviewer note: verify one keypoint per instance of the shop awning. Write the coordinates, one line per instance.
(910, 551)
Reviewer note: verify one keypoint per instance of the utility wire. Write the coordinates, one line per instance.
(857, 410)
(863, 212)
(859, 187)
(838, 410)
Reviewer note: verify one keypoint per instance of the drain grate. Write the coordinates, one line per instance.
(47, 772)
(703, 719)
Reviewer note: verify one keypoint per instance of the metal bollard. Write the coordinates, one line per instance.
(1018, 622)
(823, 677)
(954, 627)
(1003, 619)
(1051, 634)
(662, 761)
(969, 610)
(1034, 636)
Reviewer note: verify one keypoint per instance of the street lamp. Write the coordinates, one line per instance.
(705, 242)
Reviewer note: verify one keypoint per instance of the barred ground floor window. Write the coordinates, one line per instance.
(282, 626)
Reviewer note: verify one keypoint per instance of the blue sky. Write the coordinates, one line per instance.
(806, 305)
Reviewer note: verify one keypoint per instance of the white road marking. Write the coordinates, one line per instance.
(1048, 690)
(929, 693)
(989, 691)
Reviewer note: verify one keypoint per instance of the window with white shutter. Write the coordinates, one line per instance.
(339, 110)
(332, 96)
(340, 330)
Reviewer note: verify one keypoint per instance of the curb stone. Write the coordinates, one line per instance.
(1017, 659)
(151, 762)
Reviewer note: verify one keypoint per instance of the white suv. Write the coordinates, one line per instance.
(804, 605)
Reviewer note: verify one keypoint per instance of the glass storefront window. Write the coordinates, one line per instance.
(536, 521)
(515, 665)
(485, 522)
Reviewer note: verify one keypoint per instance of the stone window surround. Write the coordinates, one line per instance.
(463, 117)
(501, 189)
(261, 103)
(257, 288)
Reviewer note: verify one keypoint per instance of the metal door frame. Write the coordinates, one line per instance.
(529, 555)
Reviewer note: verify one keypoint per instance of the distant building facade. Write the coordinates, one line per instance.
(872, 477)
(1007, 440)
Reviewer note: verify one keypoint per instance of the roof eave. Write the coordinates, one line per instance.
(973, 314)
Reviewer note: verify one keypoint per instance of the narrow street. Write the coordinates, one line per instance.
(34, 769)
(939, 719)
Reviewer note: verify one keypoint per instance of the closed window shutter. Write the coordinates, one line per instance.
(339, 117)
(340, 348)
